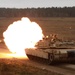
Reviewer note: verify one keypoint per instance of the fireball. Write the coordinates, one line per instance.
(22, 34)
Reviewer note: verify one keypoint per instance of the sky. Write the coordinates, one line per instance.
(36, 3)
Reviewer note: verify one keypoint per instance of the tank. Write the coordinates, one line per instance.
(51, 48)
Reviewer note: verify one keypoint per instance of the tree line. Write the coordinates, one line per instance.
(38, 12)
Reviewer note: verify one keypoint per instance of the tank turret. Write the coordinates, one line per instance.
(53, 41)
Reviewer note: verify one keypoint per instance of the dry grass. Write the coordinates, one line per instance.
(19, 67)
(64, 27)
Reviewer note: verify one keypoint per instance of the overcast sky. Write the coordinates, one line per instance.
(36, 3)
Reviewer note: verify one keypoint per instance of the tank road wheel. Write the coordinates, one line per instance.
(50, 58)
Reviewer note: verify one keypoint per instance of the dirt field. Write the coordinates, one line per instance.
(20, 67)
(64, 27)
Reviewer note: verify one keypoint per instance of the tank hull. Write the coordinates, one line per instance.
(51, 55)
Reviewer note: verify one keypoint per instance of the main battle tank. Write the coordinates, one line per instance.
(51, 48)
